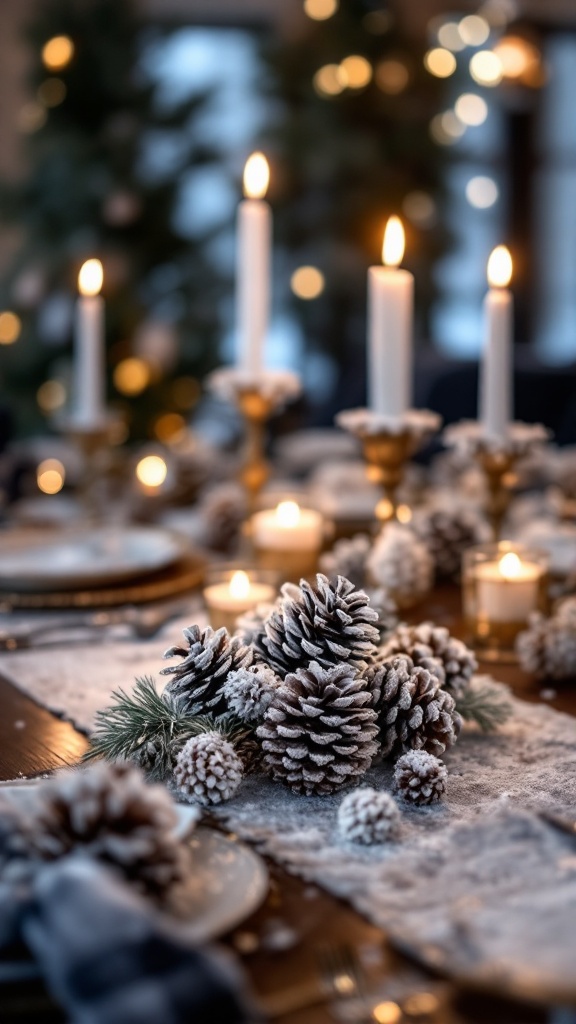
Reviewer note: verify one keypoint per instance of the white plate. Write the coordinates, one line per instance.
(87, 558)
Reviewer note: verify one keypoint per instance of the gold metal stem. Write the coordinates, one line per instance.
(386, 455)
(497, 467)
(256, 410)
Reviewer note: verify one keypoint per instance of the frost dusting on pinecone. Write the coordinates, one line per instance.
(197, 681)
(420, 777)
(207, 769)
(250, 691)
(368, 816)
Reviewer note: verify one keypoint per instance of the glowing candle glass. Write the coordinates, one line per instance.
(503, 584)
(231, 592)
(288, 539)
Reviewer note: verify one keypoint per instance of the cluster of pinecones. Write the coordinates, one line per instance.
(320, 693)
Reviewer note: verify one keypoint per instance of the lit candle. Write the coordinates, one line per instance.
(253, 267)
(495, 398)
(390, 309)
(151, 473)
(89, 411)
(227, 600)
(508, 590)
(288, 539)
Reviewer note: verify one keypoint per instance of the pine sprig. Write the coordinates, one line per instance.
(486, 706)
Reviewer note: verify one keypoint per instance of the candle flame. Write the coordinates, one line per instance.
(239, 585)
(288, 514)
(90, 277)
(393, 245)
(499, 267)
(256, 176)
(510, 566)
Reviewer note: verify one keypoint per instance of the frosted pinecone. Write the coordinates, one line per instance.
(222, 510)
(547, 649)
(414, 711)
(107, 812)
(426, 644)
(250, 691)
(420, 777)
(348, 558)
(250, 625)
(197, 681)
(324, 622)
(448, 531)
(368, 816)
(207, 769)
(319, 732)
(402, 564)
(386, 609)
(565, 613)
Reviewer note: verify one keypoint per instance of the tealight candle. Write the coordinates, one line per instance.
(231, 597)
(503, 585)
(288, 539)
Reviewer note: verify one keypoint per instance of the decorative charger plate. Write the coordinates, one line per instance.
(98, 557)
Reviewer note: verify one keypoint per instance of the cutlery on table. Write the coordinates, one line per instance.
(143, 622)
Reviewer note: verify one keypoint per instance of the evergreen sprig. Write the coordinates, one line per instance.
(486, 706)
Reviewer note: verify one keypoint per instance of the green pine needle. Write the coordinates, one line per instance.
(486, 706)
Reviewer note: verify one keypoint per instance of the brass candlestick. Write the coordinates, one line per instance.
(93, 444)
(498, 469)
(388, 444)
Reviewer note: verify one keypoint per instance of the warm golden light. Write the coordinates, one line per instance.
(486, 68)
(256, 176)
(440, 62)
(358, 71)
(421, 1004)
(510, 566)
(499, 267)
(52, 92)
(474, 30)
(387, 1013)
(393, 244)
(449, 36)
(51, 395)
(307, 282)
(151, 471)
(404, 514)
(520, 59)
(57, 53)
(471, 109)
(185, 392)
(239, 585)
(392, 76)
(288, 514)
(50, 476)
(170, 428)
(330, 80)
(10, 327)
(131, 376)
(90, 278)
(320, 10)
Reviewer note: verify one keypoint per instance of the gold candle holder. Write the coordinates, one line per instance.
(498, 469)
(93, 444)
(388, 444)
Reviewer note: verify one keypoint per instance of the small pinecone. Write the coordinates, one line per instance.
(250, 691)
(197, 681)
(448, 531)
(427, 643)
(402, 564)
(368, 816)
(348, 558)
(109, 813)
(327, 622)
(414, 711)
(319, 733)
(222, 510)
(547, 649)
(565, 613)
(420, 777)
(207, 769)
(250, 624)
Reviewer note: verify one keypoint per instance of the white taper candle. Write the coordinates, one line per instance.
(89, 405)
(253, 265)
(390, 313)
(495, 381)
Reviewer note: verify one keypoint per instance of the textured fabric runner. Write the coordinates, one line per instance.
(480, 885)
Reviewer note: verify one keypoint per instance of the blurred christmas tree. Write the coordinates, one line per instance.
(106, 160)
(352, 145)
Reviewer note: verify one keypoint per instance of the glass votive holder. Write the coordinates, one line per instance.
(288, 539)
(502, 585)
(232, 590)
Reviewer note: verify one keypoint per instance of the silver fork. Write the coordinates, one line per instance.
(144, 622)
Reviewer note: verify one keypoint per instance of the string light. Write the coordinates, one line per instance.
(482, 192)
(307, 282)
(420, 208)
(471, 109)
(170, 427)
(449, 37)
(440, 62)
(51, 395)
(57, 53)
(446, 128)
(10, 327)
(486, 68)
(151, 471)
(474, 30)
(358, 71)
(50, 476)
(520, 60)
(52, 92)
(330, 80)
(320, 10)
(131, 376)
(392, 76)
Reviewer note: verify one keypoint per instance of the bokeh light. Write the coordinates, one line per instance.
(482, 192)
(474, 30)
(52, 92)
(320, 10)
(131, 376)
(449, 37)
(31, 117)
(330, 80)
(185, 392)
(471, 109)
(392, 76)
(51, 395)
(486, 68)
(57, 53)
(420, 208)
(520, 60)
(440, 62)
(307, 282)
(50, 476)
(170, 427)
(10, 327)
(358, 71)
(151, 471)
(446, 128)
(387, 1013)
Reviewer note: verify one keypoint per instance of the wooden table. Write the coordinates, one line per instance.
(279, 944)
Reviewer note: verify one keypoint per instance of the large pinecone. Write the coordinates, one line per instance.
(414, 711)
(425, 642)
(319, 733)
(448, 531)
(109, 813)
(326, 622)
(547, 649)
(197, 681)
